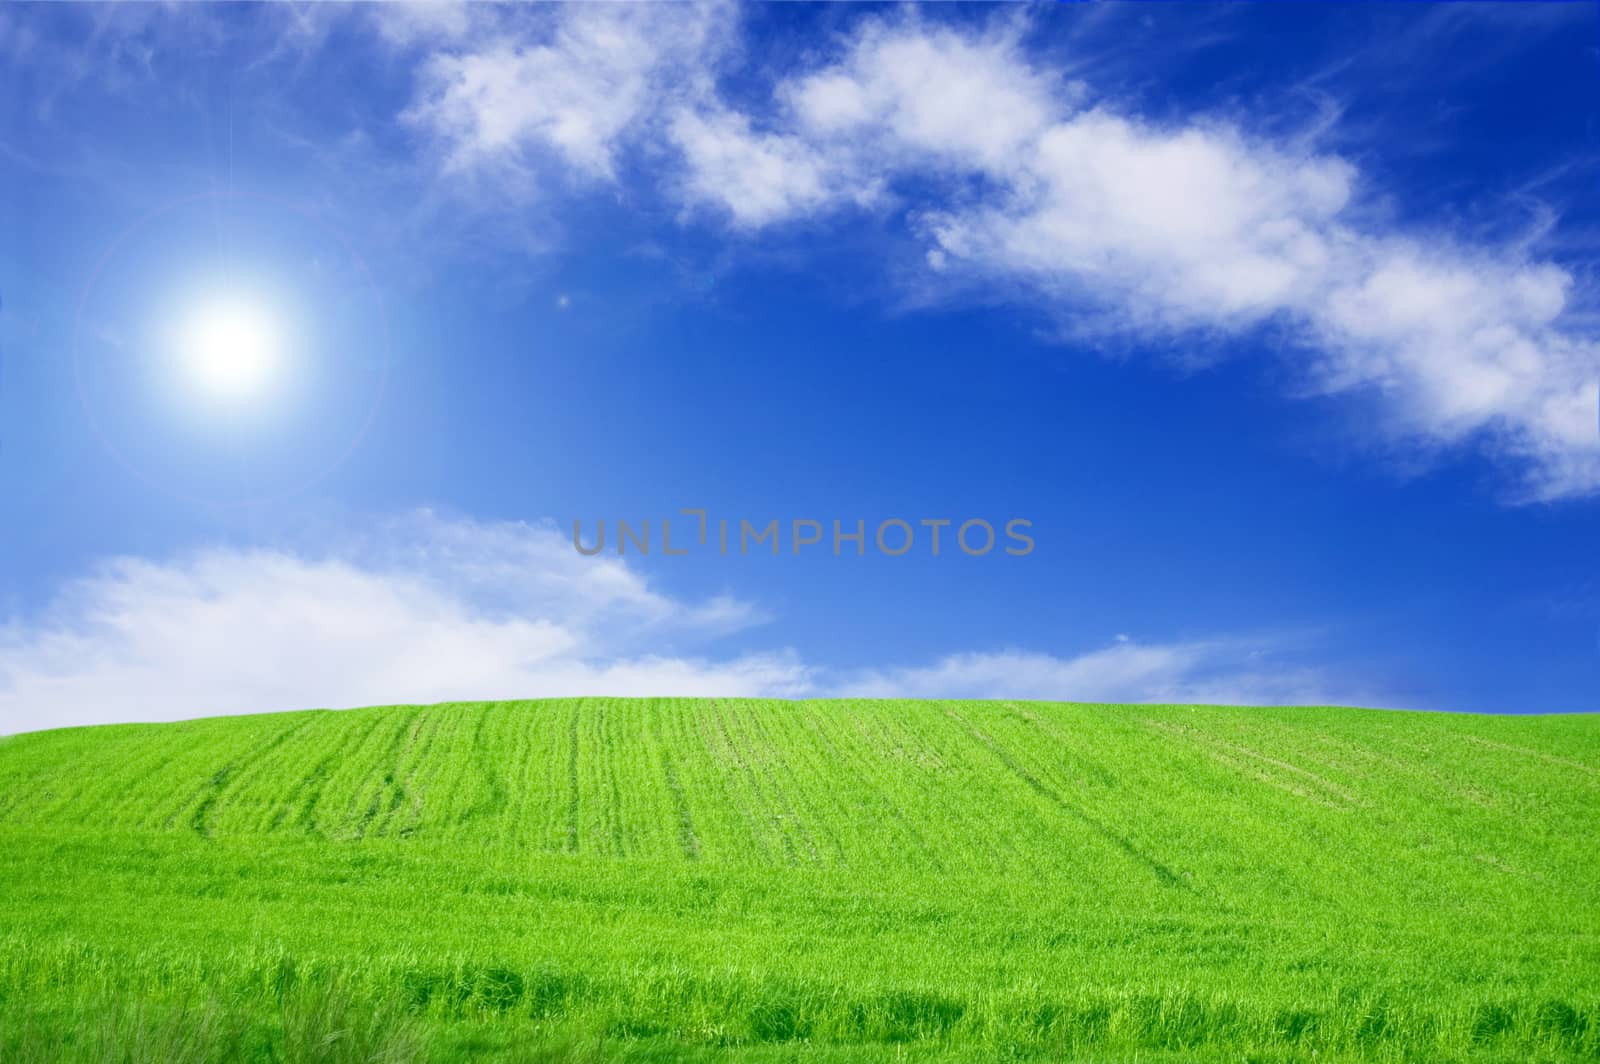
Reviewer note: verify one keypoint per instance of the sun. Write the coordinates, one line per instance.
(231, 348)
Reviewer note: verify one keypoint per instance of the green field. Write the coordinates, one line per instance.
(852, 880)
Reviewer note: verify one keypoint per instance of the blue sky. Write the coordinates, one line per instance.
(1277, 322)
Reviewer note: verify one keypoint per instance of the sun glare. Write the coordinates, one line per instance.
(231, 348)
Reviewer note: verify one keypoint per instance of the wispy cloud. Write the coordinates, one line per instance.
(1220, 671)
(1016, 177)
(422, 609)
(425, 609)
(512, 89)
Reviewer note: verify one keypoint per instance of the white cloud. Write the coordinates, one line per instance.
(1222, 671)
(1461, 342)
(1198, 226)
(900, 101)
(566, 82)
(758, 178)
(1012, 179)
(425, 609)
(1184, 228)
(970, 100)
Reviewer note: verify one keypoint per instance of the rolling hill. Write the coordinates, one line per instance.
(606, 878)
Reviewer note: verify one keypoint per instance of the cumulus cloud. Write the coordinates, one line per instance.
(424, 609)
(1013, 175)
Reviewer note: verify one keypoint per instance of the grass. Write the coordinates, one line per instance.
(759, 880)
